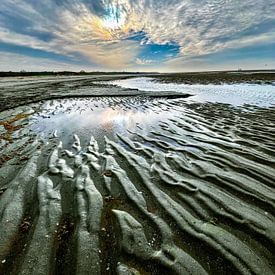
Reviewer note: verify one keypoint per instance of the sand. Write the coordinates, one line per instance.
(134, 184)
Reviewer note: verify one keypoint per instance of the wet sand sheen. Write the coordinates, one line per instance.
(129, 185)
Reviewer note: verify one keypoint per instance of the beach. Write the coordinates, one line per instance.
(122, 174)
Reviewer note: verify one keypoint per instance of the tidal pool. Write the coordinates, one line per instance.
(99, 117)
(235, 94)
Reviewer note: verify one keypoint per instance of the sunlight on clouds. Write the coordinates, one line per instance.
(102, 30)
(115, 55)
(115, 18)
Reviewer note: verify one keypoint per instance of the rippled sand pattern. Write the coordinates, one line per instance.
(194, 194)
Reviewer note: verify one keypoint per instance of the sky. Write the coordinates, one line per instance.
(136, 35)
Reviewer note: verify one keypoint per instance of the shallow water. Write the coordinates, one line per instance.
(117, 185)
(99, 117)
(235, 94)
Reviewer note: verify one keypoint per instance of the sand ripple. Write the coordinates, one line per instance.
(191, 194)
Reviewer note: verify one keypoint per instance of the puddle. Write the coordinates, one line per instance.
(98, 118)
(234, 94)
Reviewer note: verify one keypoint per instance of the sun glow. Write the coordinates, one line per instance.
(112, 26)
(114, 19)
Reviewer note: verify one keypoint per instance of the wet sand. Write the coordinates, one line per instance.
(229, 77)
(18, 91)
(135, 185)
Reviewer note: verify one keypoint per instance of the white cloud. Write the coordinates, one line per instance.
(11, 37)
(141, 61)
(18, 62)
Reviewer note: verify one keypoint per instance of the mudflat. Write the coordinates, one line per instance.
(98, 178)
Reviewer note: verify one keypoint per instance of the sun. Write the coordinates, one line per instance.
(112, 25)
(114, 18)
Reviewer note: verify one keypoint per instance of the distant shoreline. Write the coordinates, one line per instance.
(223, 77)
(206, 77)
(63, 73)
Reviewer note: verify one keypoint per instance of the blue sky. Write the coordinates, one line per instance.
(137, 35)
